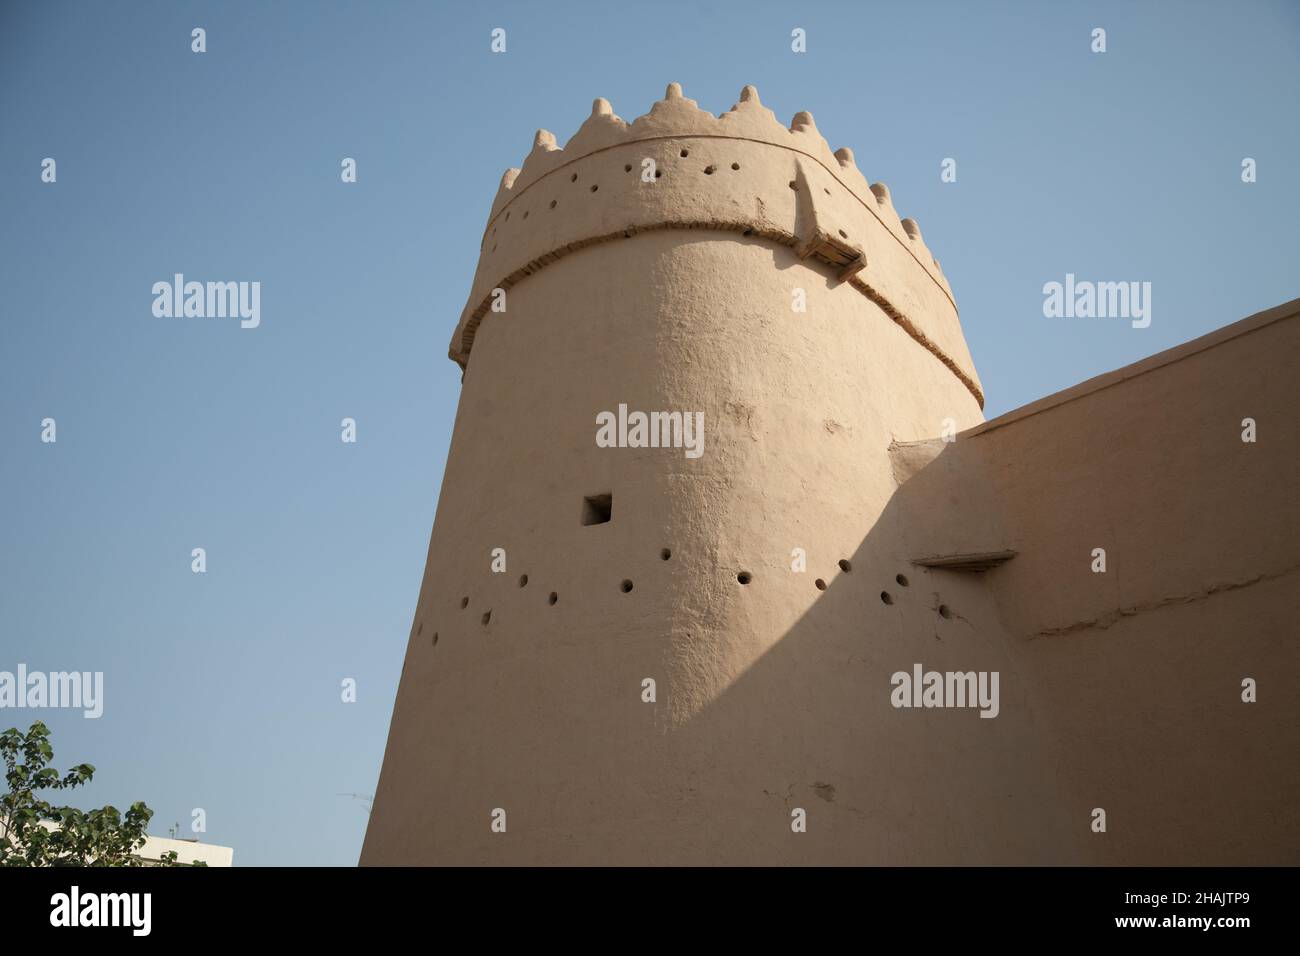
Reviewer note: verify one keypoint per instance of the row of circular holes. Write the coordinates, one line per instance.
(626, 586)
(552, 599)
(744, 577)
(885, 596)
(627, 168)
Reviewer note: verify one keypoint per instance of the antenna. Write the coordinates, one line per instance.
(367, 798)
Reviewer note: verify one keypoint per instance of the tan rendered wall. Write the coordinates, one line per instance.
(772, 695)
(1143, 663)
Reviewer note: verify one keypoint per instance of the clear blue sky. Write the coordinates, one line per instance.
(222, 689)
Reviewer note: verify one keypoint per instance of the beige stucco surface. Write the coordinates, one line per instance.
(1118, 690)
(1143, 664)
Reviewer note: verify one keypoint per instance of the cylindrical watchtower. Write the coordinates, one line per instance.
(691, 641)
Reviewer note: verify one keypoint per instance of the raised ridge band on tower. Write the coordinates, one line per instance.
(739, 172)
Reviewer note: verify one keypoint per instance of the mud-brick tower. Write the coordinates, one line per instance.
(732, 266)
(736, 267)
(771, 585)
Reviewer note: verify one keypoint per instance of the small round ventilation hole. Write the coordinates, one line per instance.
(435, 638)
(793, 184)
(744, 577)
(735, 165)
(464, 603)
(843, 234)
(685, 153)
(573, 178)
(708, 170)
(658, 173)
(901, 579)
(627, 168)
(553, 598)
(821, 585)
(666, 553)
(747, 233)
(845, 565)
(945, 612)
(523, 580)
(594, 188)
(626, 586)
(886, 597)
(487, 617)
(553, 203)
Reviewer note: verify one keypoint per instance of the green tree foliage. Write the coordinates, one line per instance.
(102, 837)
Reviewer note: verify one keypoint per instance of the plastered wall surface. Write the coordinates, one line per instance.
(1143, 663)
(523, 691)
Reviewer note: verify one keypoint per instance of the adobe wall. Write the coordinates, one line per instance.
(771, 695)
(742, 171)
(1143, 663)
(523, 690)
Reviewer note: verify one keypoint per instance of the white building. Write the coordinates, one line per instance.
(187, 851)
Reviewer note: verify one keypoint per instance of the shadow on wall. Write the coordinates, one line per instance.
(811, 725)
(1121, 689)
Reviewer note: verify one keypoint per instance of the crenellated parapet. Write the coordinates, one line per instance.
(681, 167)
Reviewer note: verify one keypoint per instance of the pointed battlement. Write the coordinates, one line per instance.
(722, 420)
(681, 167)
